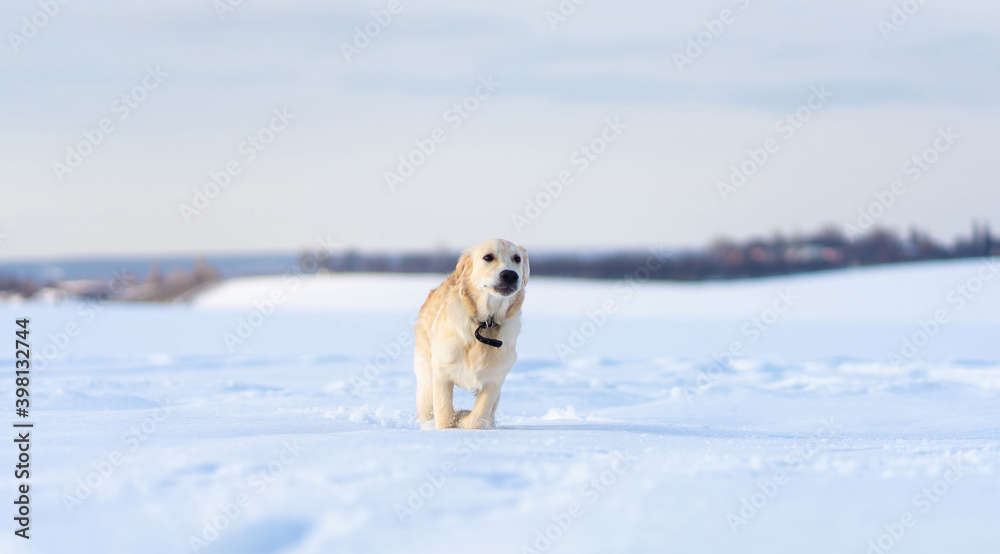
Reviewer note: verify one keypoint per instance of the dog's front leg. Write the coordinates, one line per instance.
(482, 411)
(444, 408)
(493, 412)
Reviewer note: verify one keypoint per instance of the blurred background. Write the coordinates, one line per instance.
(247, 133)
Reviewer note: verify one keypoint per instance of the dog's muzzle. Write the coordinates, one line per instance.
(508, 282)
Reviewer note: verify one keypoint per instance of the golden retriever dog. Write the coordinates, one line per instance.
(466, 334)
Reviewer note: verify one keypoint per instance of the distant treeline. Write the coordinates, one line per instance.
(778, 254)
(17, 286)
(724, 259)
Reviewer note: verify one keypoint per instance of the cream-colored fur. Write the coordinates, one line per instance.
(447, 352)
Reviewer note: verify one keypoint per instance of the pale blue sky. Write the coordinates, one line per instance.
(324, 174)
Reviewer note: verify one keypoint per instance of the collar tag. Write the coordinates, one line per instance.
(488, 324)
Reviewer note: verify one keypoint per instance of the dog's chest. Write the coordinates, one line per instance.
(466, 378)
(480, 363)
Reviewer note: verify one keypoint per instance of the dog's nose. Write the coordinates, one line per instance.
(508, 276)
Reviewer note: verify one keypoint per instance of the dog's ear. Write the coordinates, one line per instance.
(524, 260)
(462, 274)
(463, 268)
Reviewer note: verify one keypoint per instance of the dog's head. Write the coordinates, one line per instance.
(496, 267)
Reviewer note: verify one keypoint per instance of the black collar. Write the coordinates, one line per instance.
(488, 324)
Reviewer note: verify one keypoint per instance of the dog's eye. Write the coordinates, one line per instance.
(517, 259)
(488, 257)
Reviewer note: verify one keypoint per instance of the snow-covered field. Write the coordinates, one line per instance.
(850, 411)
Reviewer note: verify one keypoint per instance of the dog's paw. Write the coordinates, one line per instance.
(446, 422)
(429, 424)
(462, 420)
(470, 423)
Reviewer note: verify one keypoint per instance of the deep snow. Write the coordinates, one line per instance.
(826, 431)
